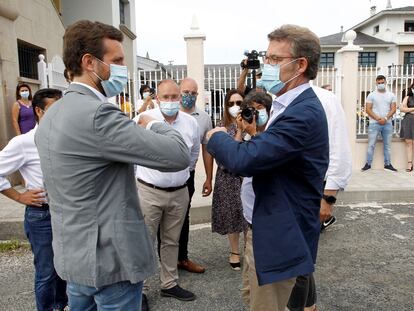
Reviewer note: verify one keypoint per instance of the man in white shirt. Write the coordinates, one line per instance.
(21, 154)
(164, 196)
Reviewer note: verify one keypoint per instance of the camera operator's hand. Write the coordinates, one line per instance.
(250, 128)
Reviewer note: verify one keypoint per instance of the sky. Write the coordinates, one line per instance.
(231, 27)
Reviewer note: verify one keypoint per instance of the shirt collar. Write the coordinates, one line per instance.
(101, 97)
(287, 98)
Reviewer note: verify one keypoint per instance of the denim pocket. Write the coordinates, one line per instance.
(32, 215)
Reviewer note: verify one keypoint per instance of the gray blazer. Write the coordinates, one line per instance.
(87, 151)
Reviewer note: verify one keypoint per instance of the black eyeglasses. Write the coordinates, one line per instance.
(236, 102)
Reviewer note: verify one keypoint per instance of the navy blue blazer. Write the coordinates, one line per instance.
(288, 163)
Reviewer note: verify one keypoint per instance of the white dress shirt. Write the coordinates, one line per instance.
(340, 163)
(101, 96)
(21, 154)
(187, 126)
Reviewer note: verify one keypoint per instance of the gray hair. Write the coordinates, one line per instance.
(304, 43)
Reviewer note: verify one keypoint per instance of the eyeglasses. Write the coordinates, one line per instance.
(274, 59)
(236, 102)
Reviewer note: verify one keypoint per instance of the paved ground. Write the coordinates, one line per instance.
(365, 263)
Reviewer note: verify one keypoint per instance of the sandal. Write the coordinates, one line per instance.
(411, 168)
(235, 265)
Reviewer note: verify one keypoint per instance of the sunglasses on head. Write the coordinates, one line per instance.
(237, 102)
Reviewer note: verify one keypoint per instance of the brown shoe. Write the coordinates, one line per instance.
(190, 266)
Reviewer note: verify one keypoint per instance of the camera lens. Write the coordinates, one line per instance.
(247, 114)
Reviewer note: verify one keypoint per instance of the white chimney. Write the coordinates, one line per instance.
(389, 6)
(373, 10)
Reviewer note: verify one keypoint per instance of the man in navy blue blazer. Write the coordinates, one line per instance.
(288, 162)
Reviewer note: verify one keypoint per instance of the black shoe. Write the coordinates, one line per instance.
(144, 304)
(390, 168)
(327, 223)
(178, 293)
(366, 167)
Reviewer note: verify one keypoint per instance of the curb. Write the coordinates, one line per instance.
(10, 230)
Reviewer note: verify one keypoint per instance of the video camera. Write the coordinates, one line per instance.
(252, 62)
(249, 113)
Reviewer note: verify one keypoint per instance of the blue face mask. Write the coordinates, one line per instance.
(188, 101)
(25, 94)
(170, 108)
(262, 118)
(381, 87)
(117, 81)
(271, 78)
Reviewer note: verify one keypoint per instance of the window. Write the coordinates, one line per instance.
(327, 60)
(376, 29)
(28, 58)
(122, 12)
(409, 26)
(409, 58)
(367, 59)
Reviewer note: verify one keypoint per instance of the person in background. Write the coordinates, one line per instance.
(23, 118)
(241, 82)
(147, 100)
(327, 87)
(125, 105)
(164, 196)
(21, 154)
(189, 93)
(407, 125)
(380, 106)
(227, 211)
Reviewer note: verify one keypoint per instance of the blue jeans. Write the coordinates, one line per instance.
(122, 296)
(50, 289)
(386, 132)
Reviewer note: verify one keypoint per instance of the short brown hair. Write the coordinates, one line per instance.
(304, 43)
(86, 37)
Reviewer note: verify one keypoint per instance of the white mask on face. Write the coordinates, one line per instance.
(145, 95)
(234, 110)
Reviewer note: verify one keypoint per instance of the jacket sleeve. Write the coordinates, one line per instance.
(283, 141)
(121, 139)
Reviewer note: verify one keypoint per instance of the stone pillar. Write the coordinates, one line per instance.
(348, 69)
(195, 59)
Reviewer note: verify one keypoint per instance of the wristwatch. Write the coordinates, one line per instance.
(330, 199)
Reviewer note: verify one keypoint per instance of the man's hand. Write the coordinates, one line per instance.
(382, 121)
(325, 211)
(207, 188)
(143, 120)
(34, 197)
(215, 130)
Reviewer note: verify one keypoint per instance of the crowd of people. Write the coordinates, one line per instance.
(116, 185)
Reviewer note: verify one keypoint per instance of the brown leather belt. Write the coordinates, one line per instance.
(169, 189)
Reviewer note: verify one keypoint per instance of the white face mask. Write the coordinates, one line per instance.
(234, 110)
(145, 95)
(170, 108)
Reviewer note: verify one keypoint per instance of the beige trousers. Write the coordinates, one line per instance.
(272, 297)
(166, 210)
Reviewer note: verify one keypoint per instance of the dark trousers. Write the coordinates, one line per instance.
(50, 289)
(185, 230)
(303, 293)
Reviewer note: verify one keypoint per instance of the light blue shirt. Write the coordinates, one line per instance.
(381, 103)
(278, 107)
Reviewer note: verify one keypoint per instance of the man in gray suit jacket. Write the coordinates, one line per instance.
(87, 150)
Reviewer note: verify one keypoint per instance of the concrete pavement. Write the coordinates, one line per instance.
(370, 186)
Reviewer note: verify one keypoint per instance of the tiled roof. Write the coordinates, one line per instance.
(361, 39)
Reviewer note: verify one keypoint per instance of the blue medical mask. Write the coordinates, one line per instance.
(117, 81)
(25, 94)
(170, 108)
(381, 87)
(188, 101)
(271, 78)
(262, 118)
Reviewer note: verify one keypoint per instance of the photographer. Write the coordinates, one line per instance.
(251, 62)
(148, 99)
